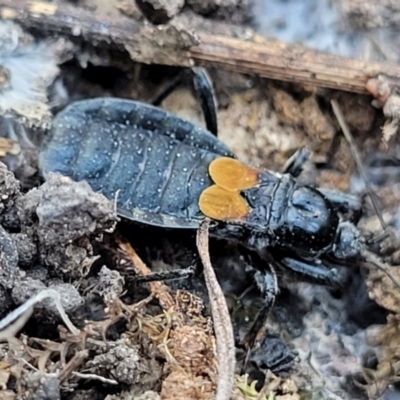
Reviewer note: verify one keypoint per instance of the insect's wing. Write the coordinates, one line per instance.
(233, 175)
(223, 205)
(223, 201)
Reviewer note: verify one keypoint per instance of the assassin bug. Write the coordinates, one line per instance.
(168, 172)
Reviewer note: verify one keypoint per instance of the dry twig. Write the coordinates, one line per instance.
(222, 322)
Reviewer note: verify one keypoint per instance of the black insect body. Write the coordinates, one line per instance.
(152, 162)
(162, 170)
(165, 171)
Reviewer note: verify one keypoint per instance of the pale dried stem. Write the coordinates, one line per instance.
(222, 322)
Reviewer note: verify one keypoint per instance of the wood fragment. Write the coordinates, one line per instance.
(277, 60)
(190, 40)
(222, 322)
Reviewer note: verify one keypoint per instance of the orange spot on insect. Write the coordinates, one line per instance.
(218, 203)
(233, 175)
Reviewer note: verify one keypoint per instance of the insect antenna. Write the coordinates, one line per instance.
(353, 148)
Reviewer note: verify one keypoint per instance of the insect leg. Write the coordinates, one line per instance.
(173, 85)
(205, 93)
(316, 273)
(274, 354)
(294, 165)
(267, 284)
(266, 281)
(182, 273)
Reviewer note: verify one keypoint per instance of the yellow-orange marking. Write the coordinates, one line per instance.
(233, 175)
(218, 203)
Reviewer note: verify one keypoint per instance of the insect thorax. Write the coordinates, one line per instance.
(287, 215)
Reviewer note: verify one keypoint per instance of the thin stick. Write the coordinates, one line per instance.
(349, 137)
(222, 322)
(95, 377)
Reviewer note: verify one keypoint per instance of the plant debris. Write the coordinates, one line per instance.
(80, 313)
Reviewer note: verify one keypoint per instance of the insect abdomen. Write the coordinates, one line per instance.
(135, 156)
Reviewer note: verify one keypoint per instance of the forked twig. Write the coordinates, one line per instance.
(13, 322)
(222, 322)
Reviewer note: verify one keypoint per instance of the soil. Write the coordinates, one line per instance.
(139, 340)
